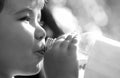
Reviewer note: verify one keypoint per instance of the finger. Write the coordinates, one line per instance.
(66, 42)
(62, 36)
(75, 40)
(58, 42)
(72, 47)
(60, 39)
(69, 37)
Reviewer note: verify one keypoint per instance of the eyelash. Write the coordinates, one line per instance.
(25, 18)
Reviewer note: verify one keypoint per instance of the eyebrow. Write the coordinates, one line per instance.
(24, 10)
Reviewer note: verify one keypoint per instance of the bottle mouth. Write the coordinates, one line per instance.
(49, 43)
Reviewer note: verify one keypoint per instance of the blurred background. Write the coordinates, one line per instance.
(64, 16)
(98, 16)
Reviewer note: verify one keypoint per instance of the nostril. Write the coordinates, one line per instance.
(39, 34)
(38, 38)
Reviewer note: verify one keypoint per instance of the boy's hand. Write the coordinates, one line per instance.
(61, 61)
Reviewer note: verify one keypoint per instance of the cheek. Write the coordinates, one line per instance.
(24, 35)
(17, 42)
(18, 36)
(27, 33)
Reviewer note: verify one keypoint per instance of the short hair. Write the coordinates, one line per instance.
(2, 2)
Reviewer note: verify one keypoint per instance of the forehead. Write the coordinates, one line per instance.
(19, 4)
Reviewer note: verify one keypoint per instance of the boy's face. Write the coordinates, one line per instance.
(18, 26)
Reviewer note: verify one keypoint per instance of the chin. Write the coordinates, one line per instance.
(36, 69)
(32, 70)
(28, 72)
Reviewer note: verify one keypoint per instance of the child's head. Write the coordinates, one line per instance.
(20, 36)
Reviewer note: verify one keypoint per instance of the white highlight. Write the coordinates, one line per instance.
(65, 19)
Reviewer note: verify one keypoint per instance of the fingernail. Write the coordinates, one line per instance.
(49, 43)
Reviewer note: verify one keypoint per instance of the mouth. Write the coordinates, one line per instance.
(40, 51)
(44, 47)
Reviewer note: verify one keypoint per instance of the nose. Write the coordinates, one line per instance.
(39, 33)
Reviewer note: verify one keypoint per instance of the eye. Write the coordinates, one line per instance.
(25, 18)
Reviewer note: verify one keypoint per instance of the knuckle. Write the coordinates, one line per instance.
(72, 47)
(69, 37)
(75, 40)
(64, 44)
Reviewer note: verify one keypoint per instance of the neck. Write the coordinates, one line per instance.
(5, 75)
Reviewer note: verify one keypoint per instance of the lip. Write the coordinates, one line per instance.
(40, 50)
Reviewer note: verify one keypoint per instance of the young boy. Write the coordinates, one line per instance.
(22, 43)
